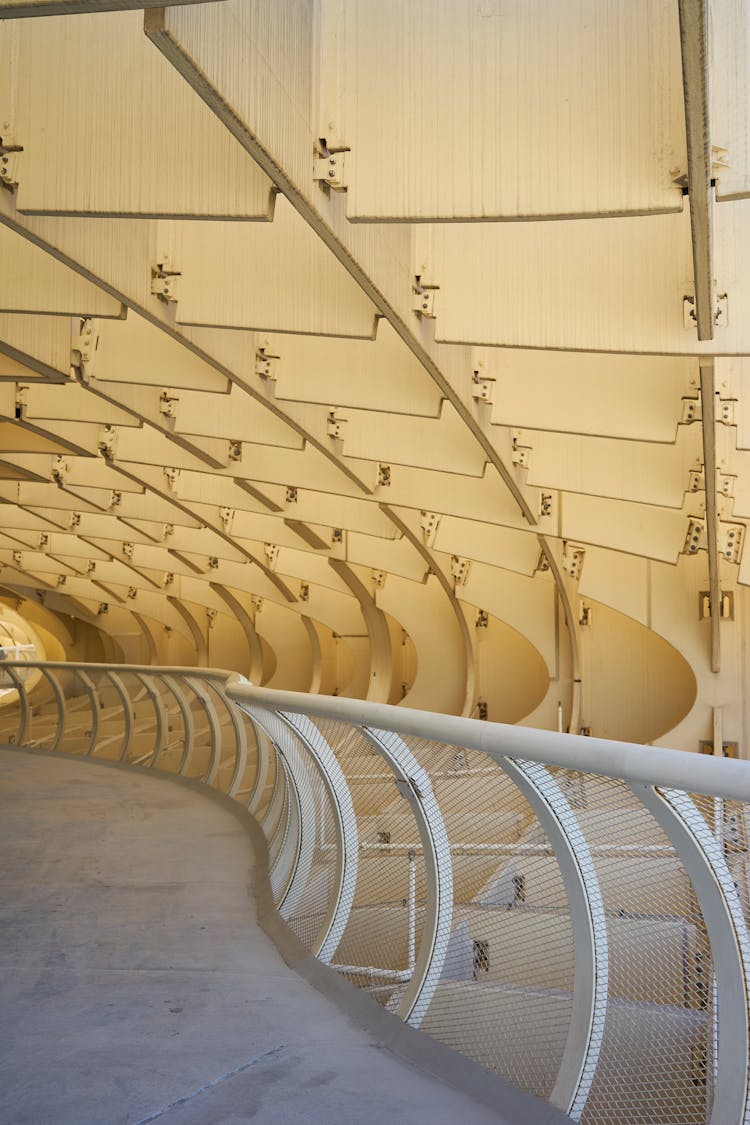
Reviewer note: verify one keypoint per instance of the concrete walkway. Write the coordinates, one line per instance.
(137, 986)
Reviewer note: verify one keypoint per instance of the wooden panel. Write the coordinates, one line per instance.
(278, 277)
(42, 342)
(593, 285)
(442, 443)
(636, 529)
(648, 472)
(108, 127)
(373, 375)
(38, 283)
(585, 393)
(134, 351)
(506, 110)
(599, 284)
(499, 546)
(236, 416)
(394, 557)
(341, 511)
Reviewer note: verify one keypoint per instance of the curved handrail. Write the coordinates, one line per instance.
(625, 761)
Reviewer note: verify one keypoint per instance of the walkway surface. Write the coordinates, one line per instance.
(136, 986)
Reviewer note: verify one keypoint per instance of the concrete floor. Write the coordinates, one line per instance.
(137, 986)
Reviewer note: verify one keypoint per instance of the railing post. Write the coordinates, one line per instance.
(23, 719)
(127, 712)
(90, 689)
(702, 858)
(60, 703)
(286, 737)
(414, 784)
(200, 691)
(590, 983)
(347, 838)
(188, 728)
(240, 738)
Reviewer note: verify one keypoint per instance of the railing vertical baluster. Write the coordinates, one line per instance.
(703, 859)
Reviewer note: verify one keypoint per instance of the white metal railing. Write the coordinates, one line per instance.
(569, 912)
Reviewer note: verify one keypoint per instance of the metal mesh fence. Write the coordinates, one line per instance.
(657, 1037)
(497, 904)
(505, 993)
(380, 943)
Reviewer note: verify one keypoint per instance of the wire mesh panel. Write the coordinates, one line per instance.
(307, 902)
(380, 943)
(505, 995)
(655, 1051)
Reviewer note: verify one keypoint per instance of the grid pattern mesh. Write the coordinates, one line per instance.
(381, 941)
(505, 994)
(657, 1039)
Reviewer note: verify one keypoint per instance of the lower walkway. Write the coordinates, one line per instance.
(138, 987)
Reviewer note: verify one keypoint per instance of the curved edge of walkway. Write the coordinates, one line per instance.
(414, 1047)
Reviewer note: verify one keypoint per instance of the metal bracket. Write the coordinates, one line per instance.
(691, 411)
(542, 563)
(730, 539)
(521, 454)
(572, 560)
(481, 388)
(265, 364)
(384, 476)
(482, 619)
(378, 578)
(430, 521)
(696, 538)
(272, 554)
(545, 504)
(9, 162)
(60, 470)
(226, 515)
(107, 443)
(696, 480)
(725, 410)
(173, 478)
(726, 605)
(83, 348)
(168, 404)
(460, 569)
(423, 302)
(331, 170)
(721, 311)
(21, 403)
(164, 279)
(334, 424)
